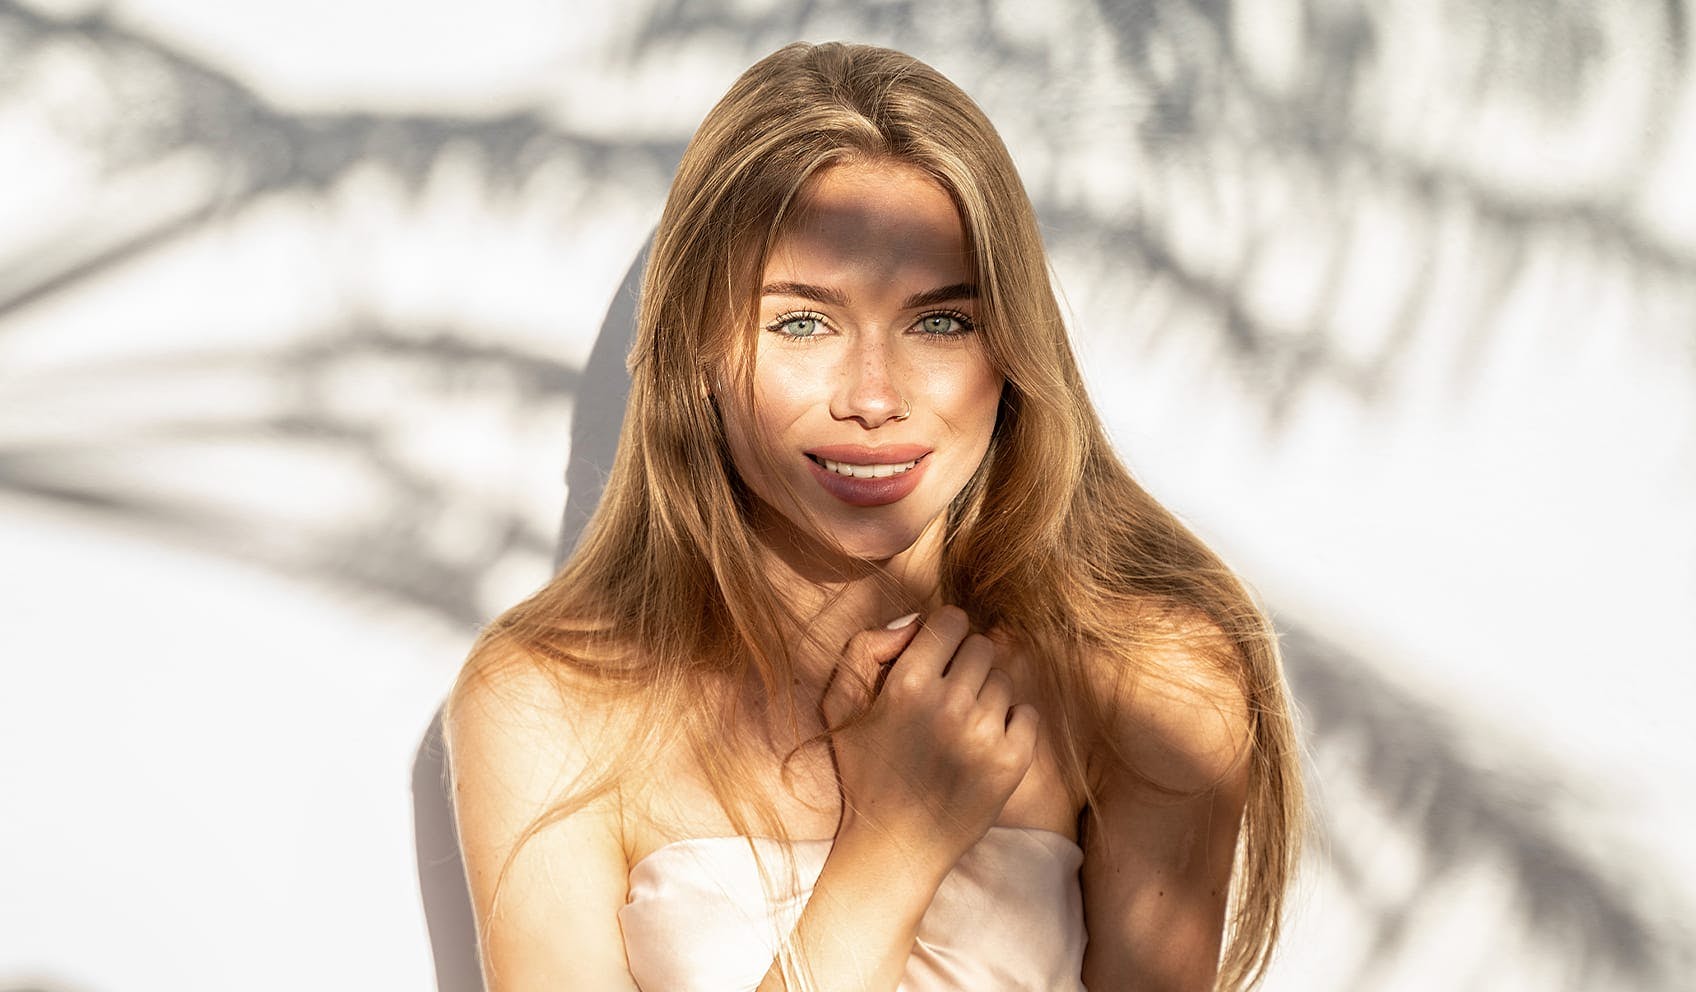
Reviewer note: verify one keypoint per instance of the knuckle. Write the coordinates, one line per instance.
(907, 681)
(1011, 761)
(958, 699)
(857, 651)
(988, 722)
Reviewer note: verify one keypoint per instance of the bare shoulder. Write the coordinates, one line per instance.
(528, 726)
(506, 696)
(1176, 705)
(538, 819)
(1161, 837)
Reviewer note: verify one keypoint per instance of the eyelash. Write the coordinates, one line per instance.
(776, 326)
(966, 324)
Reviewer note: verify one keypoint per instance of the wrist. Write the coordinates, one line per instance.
(906, 859)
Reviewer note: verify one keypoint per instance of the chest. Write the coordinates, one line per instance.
(1010, 915)
(674, 798)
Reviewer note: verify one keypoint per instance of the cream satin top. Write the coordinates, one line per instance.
(1008, 917)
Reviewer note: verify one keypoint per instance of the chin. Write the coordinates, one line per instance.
(877, 551)
(877, 543)
(870, 535)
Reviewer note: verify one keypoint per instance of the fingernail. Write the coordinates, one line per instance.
(900, 622)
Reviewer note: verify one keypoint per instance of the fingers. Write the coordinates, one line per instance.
(977, 691)
(996, 696)
(973, 660)
(854, 680)
(1027, 723)
(926, 657)
(1022, 724)
(938, 637)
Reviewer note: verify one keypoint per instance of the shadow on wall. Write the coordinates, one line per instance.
(599, 414)
(163, 102)
(441, 871)
(595, 426)
(1583, 914)
(1591, 919)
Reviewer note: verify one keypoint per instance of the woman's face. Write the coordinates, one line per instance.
(873, 400)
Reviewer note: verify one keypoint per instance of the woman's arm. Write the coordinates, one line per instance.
(512, 744)
(1157, 867)
(860, 922)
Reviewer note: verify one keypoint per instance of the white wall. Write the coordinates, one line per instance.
(1395, 302)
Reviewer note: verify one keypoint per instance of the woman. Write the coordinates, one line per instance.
(874, 669)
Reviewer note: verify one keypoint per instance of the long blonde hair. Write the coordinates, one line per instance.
(1051, 539)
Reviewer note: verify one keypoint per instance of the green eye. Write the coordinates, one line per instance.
(945, 324)
(797, 326)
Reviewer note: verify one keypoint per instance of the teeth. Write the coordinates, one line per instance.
(867, 471)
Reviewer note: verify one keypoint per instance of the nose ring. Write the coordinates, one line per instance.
(907, 411)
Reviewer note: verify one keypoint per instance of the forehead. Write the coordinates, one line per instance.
(871, 221)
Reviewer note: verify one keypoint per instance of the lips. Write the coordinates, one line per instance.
(862, 476)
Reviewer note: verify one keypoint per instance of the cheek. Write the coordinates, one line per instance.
(970, 393)
(989, 389)
(737, 422)
(789, 380)
(755, 435)
(786, 391)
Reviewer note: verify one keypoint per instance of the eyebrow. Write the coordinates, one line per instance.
(835, 297)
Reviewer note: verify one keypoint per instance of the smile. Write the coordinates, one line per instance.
(869, 483)
(864, 471)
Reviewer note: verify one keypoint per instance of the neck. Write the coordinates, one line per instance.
(836, 597)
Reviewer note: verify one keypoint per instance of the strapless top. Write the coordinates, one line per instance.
(1008, 917)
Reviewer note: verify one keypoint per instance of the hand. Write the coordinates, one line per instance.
(941, 746)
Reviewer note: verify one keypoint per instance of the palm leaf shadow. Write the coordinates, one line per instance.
(1456, 813)
(1417, 765)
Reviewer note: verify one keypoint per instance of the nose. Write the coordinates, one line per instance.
(869, 388)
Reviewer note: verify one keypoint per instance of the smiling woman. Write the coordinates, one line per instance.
(705, 757)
